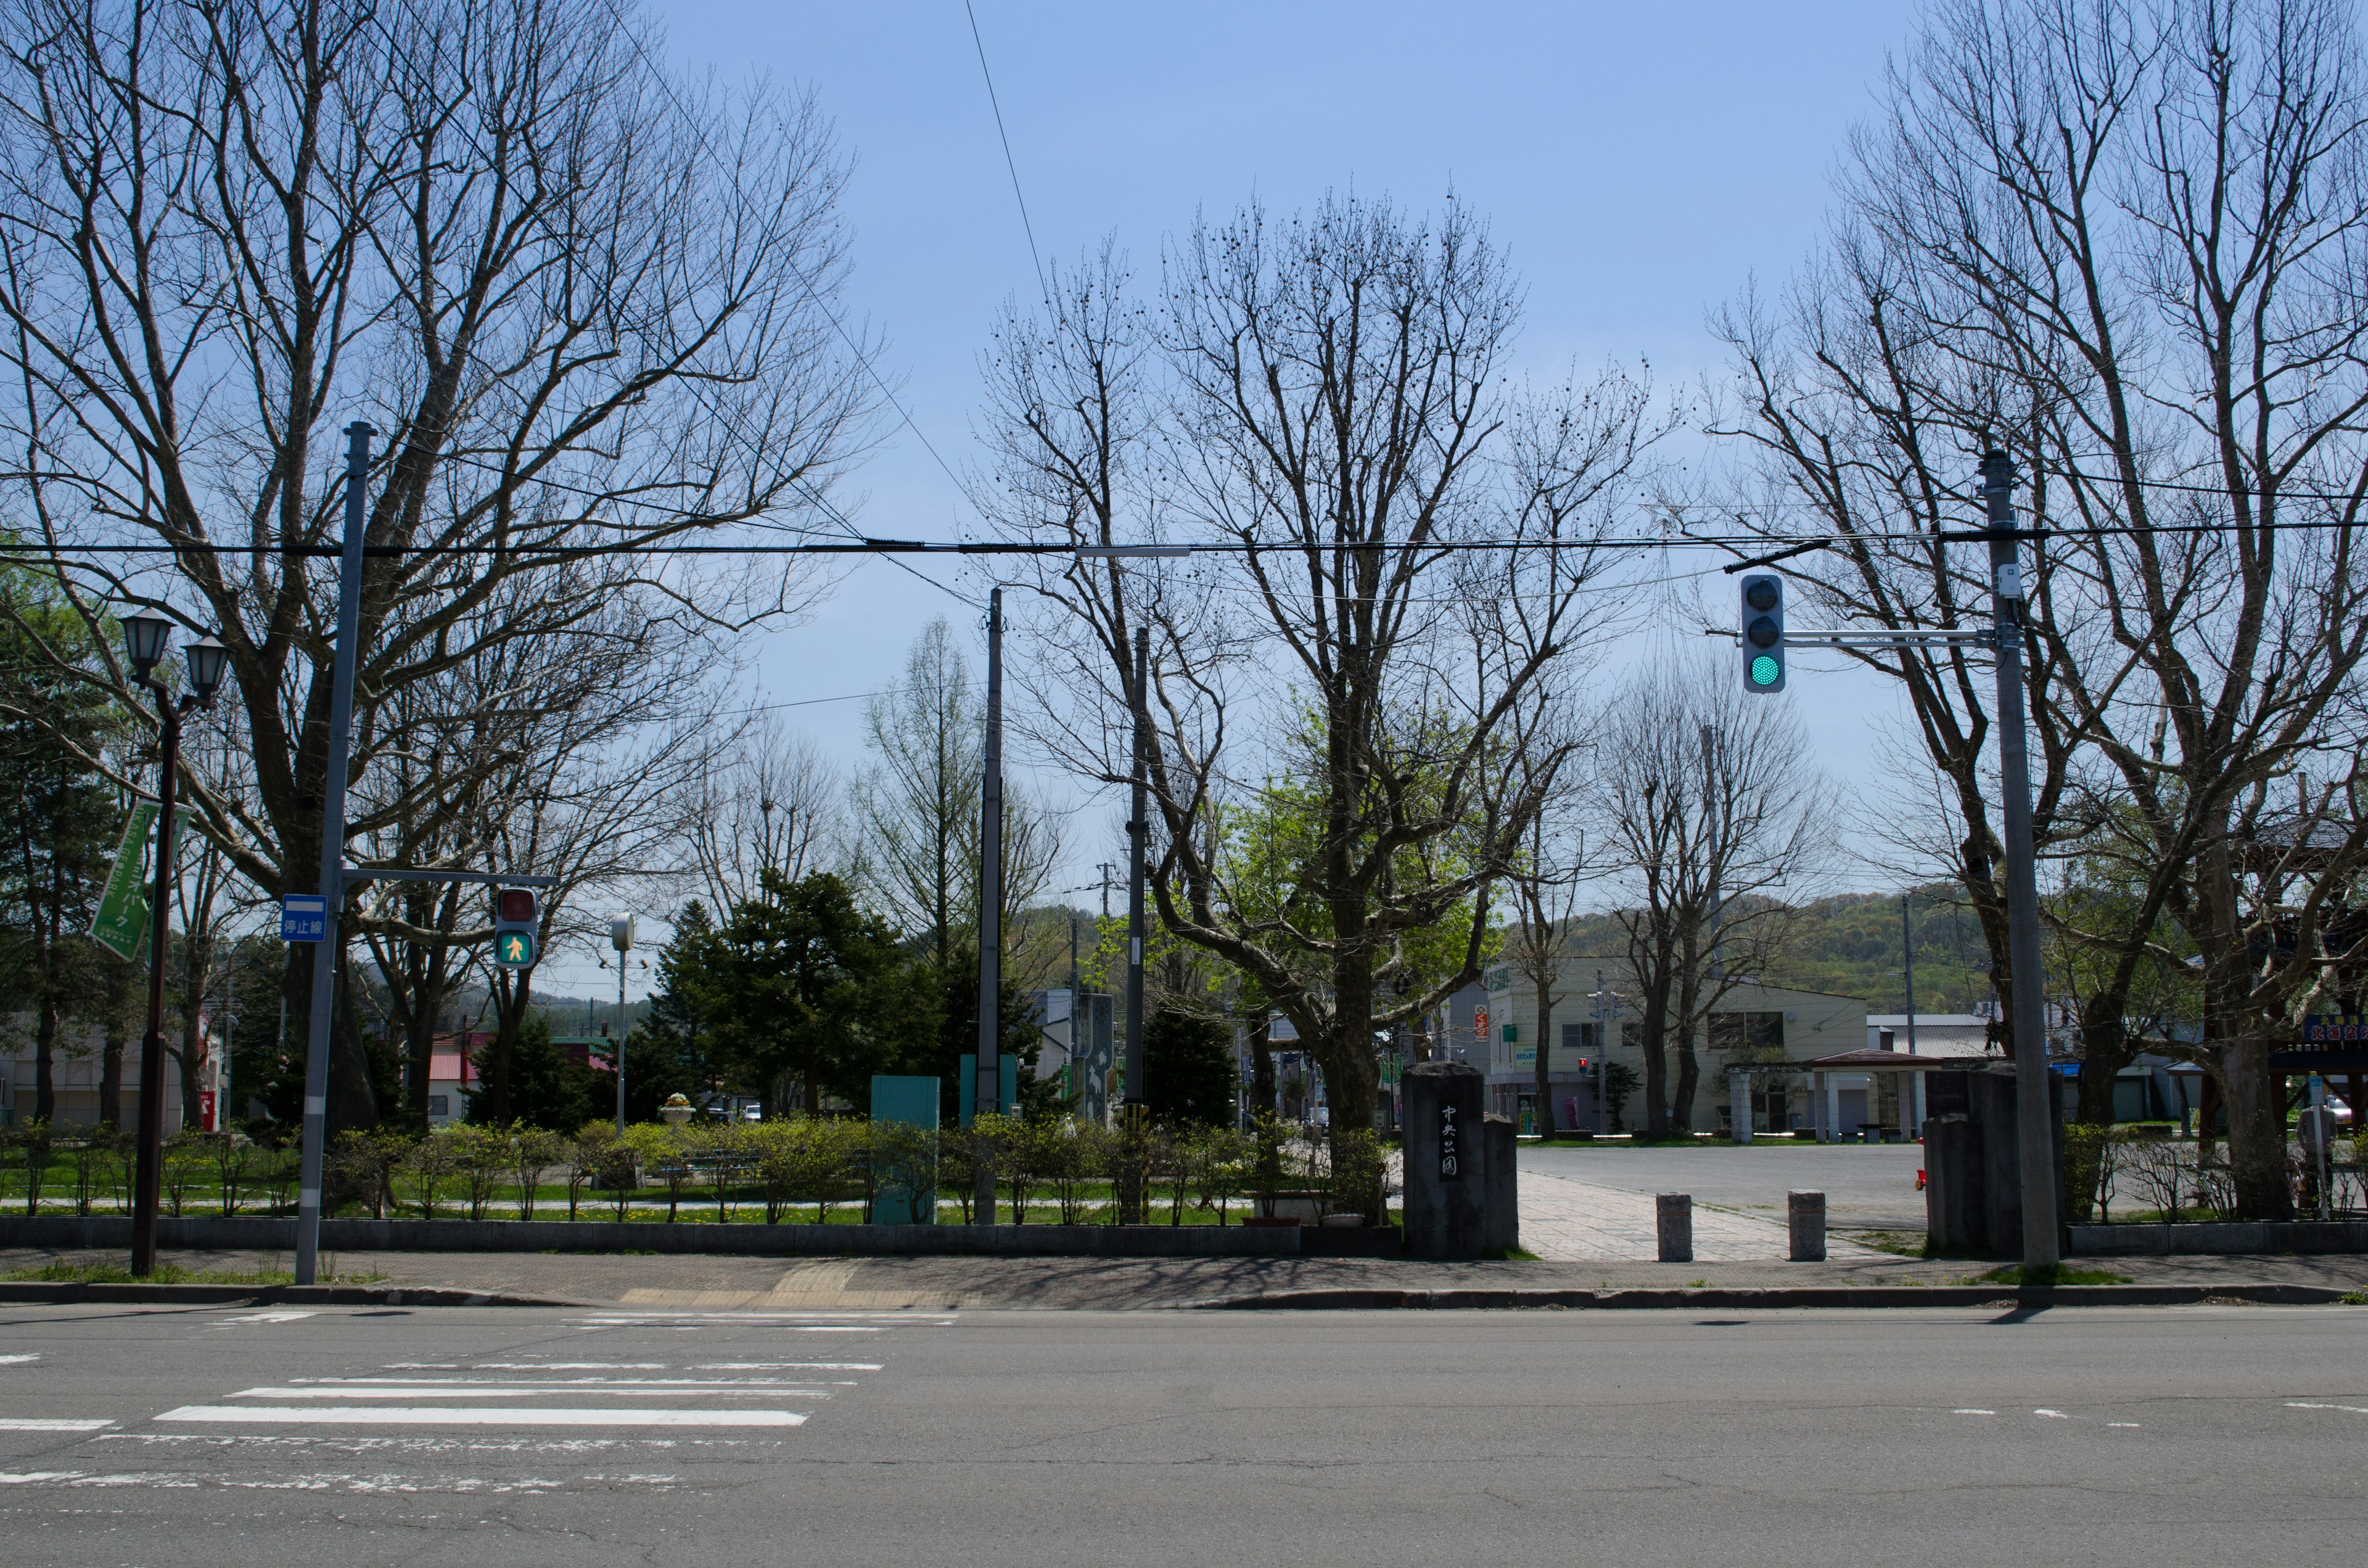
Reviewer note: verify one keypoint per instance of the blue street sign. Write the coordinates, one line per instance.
(303, 917)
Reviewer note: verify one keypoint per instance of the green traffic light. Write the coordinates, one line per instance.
(1765, 671)
(515, 950)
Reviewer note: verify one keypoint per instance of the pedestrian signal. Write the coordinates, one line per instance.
(515, 927)
(1763, 634)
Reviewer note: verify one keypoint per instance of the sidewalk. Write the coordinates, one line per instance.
(1119, 1284)
(1565, 1219)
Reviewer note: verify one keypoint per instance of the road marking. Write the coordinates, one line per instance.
(18, 1361)
(2300, 1404)
(2053, 1414)
(1973, 1412)
(266, 1317)
(786, 1366)
(31, 1477)
(667, 1384)
(33, 1423)
(532, 1390)
(397, 1415)
(2129, 1424)
(528, 1367)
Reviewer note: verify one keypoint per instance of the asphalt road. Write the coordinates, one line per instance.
(1869, 1186)
(583, 1438)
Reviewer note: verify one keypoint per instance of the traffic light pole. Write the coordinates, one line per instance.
(333, 856)
(2034, 1120)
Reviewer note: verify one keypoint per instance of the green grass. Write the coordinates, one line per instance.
(1899, 1243)
(2060, 1274)
(61, 1272)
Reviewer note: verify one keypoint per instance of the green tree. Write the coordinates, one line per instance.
(1187, 1067)
(795, 968)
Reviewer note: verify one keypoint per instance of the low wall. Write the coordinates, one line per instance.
(258, 1235)
(2229, 1236)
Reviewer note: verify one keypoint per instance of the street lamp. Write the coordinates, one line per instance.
(146, 637)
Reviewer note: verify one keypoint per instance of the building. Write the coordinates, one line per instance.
(1766, 1028)
(75, 1067)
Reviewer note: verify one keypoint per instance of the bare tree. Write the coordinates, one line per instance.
(1546, 881)
(2123, 241)
(586, 300)
(918, 804)
(1321, 405)
(768, 801)
(1709, 804)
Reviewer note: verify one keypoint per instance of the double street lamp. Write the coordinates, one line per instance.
(146, 639)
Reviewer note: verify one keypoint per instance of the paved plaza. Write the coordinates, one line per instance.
(1586, 1203)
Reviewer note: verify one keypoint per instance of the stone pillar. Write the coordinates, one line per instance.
(1446, 1161)
(1833, 1108)
(1500, 1184)
(1674, 1212)
(1805, 1215)
(1738, 1101)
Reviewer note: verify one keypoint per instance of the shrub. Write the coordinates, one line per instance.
(425, 1166)
(530, 1149)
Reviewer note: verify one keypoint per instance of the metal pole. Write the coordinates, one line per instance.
(1907, 967)
(1138, 844)
(620, 1044)
(333, 856)
(989, 1096)
(2034, 1123)
(152, 1049)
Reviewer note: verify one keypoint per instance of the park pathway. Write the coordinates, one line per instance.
(1567, 1220)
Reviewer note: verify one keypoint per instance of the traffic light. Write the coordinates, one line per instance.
(1763, 634)
(514, 928)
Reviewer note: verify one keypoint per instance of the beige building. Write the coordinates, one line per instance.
(1751, 1023)
(75, 1073)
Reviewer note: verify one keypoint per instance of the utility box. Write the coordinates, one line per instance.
(1008, 1085)
(905, 1186)
(1446, 1161)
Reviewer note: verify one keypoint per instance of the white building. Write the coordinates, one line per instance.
(1766, 1026)
(76, 1063)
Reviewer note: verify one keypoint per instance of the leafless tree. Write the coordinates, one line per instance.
(1709, 806)
(1546, 883)
(586, 301)
(2125, 242)
(1320, 406)
(918, 805)
(768, 802)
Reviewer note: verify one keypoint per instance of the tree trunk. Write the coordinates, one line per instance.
(1262, 1065)
(110, 1076)
(1656, 1043)
(45, 1057)
(1682, 1109)
(1545, 1049)
(2105, 1049)
(2257, 1130)
(353, 1099)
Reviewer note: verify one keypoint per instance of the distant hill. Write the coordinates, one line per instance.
(1849, 945)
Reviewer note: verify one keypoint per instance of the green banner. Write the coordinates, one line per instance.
(121, 923)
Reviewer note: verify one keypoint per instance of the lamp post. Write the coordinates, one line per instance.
(620, 936)
(146, 637)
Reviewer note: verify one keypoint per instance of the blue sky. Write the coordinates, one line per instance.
(1639, 163)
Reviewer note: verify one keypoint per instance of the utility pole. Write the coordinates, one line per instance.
(1138, 840)
(989, 1096)
(621, 937)
(333, 856)
(2033, 1091)
(1907, 967)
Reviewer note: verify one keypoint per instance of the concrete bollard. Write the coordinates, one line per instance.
(1675, 1214)
(1806, 1212)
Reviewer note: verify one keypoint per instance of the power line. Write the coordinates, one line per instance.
(1018, 195)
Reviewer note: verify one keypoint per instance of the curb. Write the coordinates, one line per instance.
(136, 1292)
(2010, 1296)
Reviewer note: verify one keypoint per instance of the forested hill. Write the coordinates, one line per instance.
(1849, 945)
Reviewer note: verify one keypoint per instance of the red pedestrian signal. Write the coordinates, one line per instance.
(515, 906)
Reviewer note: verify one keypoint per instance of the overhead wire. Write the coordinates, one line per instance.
(1009, 161)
